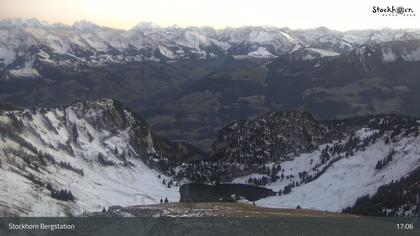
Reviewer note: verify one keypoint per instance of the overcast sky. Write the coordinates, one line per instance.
(334, 14)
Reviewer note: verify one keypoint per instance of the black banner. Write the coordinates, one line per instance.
(313, 226)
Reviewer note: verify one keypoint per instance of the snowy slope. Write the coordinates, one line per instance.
(347, 179)
(261, 52)
(322, 165)
(62, 147)
(323, 53)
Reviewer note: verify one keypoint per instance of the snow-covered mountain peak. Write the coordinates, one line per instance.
(145, 26)
(84, 25)
(323, 30)
(61, 26)
(20, 22)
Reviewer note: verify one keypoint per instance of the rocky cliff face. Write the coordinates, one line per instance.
(273, 136)
(66, 160)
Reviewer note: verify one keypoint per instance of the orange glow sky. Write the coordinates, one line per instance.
(335, 14)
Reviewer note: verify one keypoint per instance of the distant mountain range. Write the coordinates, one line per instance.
(189, 82)
(26, 41)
